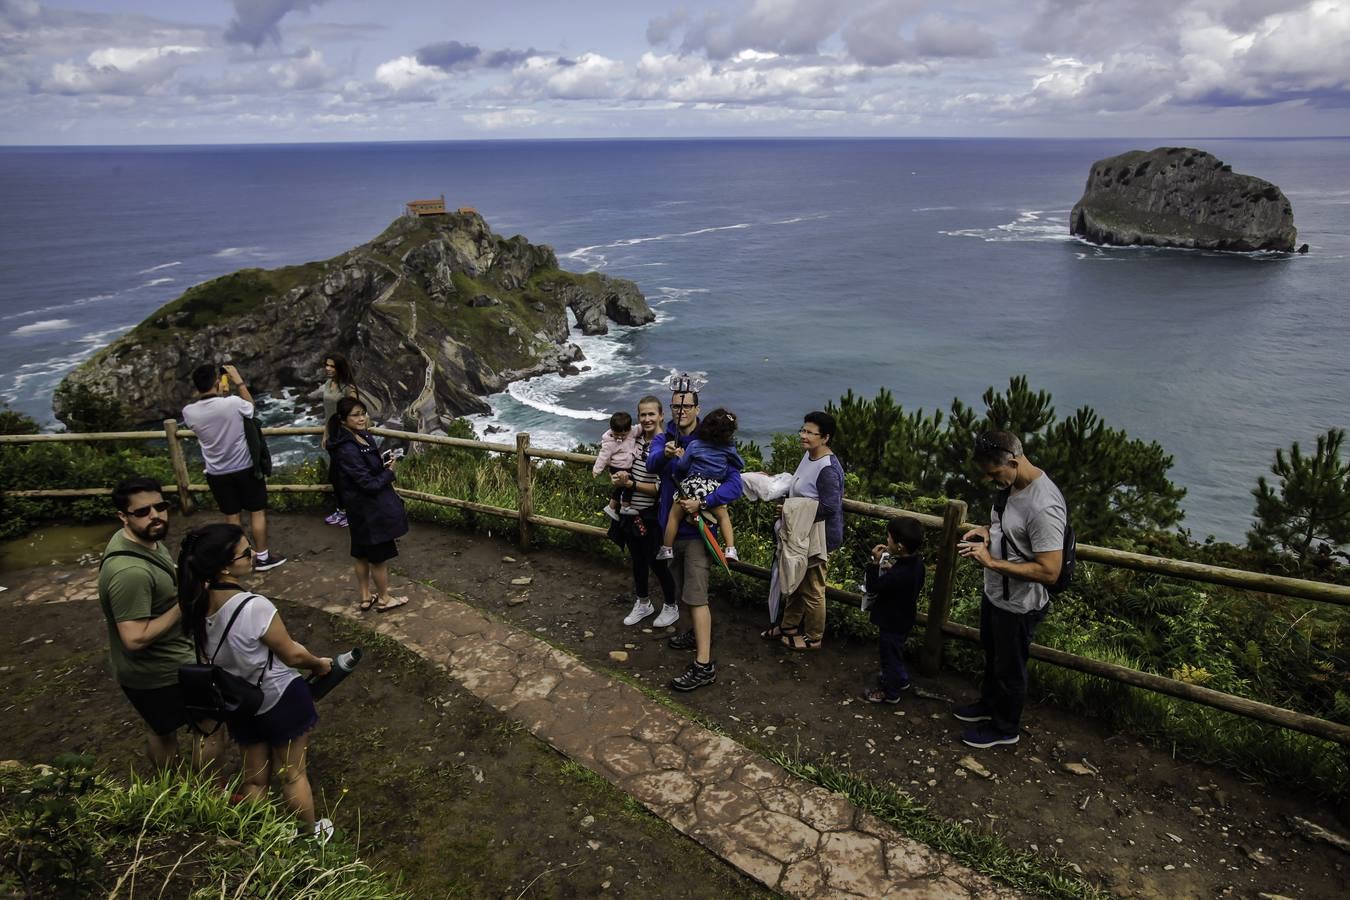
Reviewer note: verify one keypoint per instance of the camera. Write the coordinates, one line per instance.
(972, 540)
(390, 455)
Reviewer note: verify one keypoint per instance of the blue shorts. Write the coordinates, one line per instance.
(292, 716)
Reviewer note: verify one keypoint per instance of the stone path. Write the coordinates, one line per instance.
(795, 837)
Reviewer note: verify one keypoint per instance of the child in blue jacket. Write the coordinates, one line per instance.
(897, 590)
(700, 469)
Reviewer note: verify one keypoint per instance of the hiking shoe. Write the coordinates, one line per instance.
(972, 712)
(334, 517)
(665, 553)
(642, 608)
(670, 614)
(682, 641)
(271, 562)
(730, 553)
(609, 511)
(985, 735)
(696, 676)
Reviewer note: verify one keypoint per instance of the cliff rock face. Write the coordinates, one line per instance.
(1179, 197)
(433, 314)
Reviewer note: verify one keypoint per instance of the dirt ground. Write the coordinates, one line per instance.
(1145, 825)
(426, 781)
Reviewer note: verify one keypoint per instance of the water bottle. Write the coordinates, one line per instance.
(343, 664)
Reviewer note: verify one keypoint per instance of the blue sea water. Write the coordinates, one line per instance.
(789, 271)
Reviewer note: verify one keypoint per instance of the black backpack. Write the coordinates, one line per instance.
(1069, 561)
(210, 692)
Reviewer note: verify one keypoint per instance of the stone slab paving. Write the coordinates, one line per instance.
(793, 836)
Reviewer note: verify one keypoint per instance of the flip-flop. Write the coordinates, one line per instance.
(391, 603)
(799, 642)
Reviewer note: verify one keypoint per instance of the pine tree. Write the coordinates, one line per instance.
(1311, 503)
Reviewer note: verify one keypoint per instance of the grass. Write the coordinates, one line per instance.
(65, 833)
(982, 851)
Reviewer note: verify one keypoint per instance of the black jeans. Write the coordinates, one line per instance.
(1006, 637)
(642, 549)
(894, 674)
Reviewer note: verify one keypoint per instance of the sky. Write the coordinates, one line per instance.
(249, 71)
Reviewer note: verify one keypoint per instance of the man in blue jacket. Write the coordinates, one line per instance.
(691, 563)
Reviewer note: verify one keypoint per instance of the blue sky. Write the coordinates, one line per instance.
(213, 71)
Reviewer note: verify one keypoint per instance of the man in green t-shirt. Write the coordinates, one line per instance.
(138, 592)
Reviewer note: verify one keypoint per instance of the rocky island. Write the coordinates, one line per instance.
(434, 313)
(1181, 197)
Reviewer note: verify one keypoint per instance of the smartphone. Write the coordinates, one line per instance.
(390, 455)
(976, 539)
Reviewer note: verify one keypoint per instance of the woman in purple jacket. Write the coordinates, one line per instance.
(375, 514)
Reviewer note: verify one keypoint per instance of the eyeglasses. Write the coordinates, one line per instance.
(808, 433)
(143, 511)
(684, 406)
(247, 554)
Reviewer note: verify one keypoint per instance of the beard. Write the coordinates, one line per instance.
(152, 531)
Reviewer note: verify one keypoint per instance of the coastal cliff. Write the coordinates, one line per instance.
(433, 314)
(1180, 197)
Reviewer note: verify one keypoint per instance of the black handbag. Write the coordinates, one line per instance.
(210, 692)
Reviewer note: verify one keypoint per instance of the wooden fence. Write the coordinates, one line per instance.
(937, 627)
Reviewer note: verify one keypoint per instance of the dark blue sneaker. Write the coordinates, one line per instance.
(682, 641)
(985, 735)
(972, 712)
(696, 676)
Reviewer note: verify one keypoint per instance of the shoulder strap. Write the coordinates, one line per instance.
(225, 633)
(159, 564)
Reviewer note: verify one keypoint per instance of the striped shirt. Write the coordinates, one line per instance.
(643, 502)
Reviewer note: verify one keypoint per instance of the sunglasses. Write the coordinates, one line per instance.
(143, 511)
(248, 553)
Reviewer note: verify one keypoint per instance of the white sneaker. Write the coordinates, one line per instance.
(628, 510)
(670, 614)
(642, 608)
(609, 511)
(323, 831)
(665, 553)
(730, 553)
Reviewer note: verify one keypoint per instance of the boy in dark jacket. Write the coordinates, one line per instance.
(897, 593)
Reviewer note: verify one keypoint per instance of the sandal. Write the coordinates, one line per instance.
(800, 642)
(877, 695)
(366, 604)
(391, 603)
(775, 632)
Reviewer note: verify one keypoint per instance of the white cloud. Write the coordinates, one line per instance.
(119, 70)
(588, 76)
(406, 72)
(306, 71)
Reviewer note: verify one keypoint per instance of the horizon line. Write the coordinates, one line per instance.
(669, 139)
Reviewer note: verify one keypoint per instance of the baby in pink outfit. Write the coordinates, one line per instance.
(618, 449)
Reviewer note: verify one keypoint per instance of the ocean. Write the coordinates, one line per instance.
(788, 271)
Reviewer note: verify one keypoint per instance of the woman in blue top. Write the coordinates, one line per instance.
(819, 476)
(702, 466)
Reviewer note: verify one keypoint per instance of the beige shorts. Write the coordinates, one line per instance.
(690, 571)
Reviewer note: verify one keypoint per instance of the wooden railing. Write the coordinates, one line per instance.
(937, 627)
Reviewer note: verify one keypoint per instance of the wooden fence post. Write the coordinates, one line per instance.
(524, 490)
(940, 600)
(180, 472)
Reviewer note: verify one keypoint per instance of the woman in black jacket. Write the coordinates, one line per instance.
(375, 514)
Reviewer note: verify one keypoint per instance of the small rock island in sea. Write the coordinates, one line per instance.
(1181, 197)
(434, 313)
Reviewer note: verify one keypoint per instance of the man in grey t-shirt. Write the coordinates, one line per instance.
(1022, 552)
